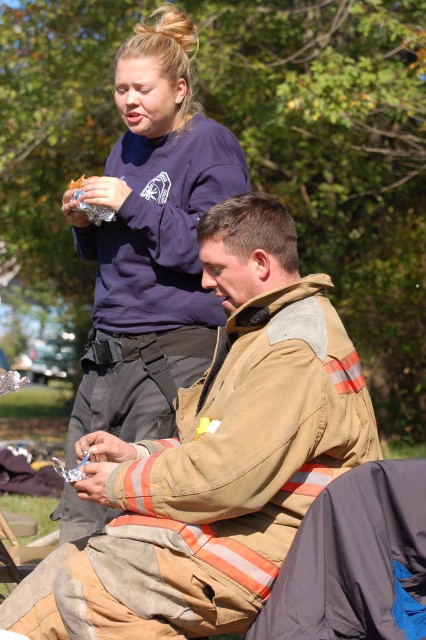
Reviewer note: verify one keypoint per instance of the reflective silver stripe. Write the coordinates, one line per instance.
(341, 375)
(201, 537)
(170, 442)
(311, 477)
(141, 502)
(238, 561)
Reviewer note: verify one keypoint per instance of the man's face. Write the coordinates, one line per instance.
(233, 280)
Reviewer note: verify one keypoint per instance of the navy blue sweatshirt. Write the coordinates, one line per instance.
(149, 274)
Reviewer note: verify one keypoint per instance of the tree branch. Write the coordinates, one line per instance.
(322, 39)
(388, 187)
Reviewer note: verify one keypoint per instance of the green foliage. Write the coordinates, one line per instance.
(14, 341)
(327, 99)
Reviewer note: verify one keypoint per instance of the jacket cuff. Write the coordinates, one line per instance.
(154, 446)
(141, 450)
(129, 486)
(115, 484)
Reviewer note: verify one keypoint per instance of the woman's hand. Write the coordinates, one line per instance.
(71, 213)
(94, 487)
(104, 446)
(111, 192)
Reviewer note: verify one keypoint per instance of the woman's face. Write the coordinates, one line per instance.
(146, 102)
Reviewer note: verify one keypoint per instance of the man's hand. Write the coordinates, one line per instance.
(94, 487)
(104, 446)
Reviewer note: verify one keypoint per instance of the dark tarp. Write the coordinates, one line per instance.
(357, 566)
(17, 476)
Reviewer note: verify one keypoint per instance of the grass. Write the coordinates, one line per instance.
(39, 412)
(38, 401)
(398, 450)
(37, 507)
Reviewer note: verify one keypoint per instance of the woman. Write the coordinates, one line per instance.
(154, 327)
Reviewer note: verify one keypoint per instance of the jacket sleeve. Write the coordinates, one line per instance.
(154, 446)
(272, 423)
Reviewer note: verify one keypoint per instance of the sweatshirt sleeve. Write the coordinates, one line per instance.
(170, 231)
(85, 241)
(269, 431)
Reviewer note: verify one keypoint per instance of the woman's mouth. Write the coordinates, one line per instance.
(133, 117)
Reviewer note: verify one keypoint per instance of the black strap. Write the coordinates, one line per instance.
(106, 351)
(221, 352)
(157, 366)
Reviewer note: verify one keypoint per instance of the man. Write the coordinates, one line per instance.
(209, 519)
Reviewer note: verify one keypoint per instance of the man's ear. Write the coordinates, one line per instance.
(262, 261)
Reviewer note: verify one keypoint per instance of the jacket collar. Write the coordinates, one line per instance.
(257, 312)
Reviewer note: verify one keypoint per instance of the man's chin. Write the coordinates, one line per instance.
(228, 307)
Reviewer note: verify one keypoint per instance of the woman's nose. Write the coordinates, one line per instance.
(132, 97)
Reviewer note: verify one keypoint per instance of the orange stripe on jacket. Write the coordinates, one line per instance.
(170, 442)
(137, 485)
(310, 480)
(347, 374)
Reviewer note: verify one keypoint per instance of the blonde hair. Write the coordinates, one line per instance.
(169, 39)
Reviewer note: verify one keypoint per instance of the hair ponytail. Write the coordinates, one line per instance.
(171, 22)
(170, 37)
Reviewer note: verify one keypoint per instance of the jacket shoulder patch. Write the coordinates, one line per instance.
(302, 320)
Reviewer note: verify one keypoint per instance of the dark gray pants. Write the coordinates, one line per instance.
(123, 400)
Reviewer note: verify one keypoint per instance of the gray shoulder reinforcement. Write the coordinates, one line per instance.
(302, 320)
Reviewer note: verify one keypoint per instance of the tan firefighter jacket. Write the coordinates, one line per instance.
(287, 412)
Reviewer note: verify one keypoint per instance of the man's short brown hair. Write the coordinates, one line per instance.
(252, 221)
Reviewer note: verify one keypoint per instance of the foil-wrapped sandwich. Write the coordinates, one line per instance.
(72, 475)
(96, 213)
(11, 381)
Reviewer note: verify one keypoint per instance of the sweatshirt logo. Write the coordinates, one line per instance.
(158, 188)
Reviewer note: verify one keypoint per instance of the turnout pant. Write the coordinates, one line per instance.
(64, 598)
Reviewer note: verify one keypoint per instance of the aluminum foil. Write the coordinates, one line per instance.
(11, 381)
(96, 213)
(72, 475)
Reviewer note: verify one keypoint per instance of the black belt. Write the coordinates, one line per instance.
(109, 348)
(106, 349)
(190, 341)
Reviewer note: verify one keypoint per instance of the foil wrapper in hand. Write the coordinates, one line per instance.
(72, 475)
(94, 212)
(11, 381)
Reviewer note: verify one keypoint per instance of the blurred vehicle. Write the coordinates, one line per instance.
(52, 359)
(4, 362)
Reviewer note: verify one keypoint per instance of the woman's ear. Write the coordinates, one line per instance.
(181, 90)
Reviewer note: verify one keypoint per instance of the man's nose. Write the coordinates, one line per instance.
(207, 282)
